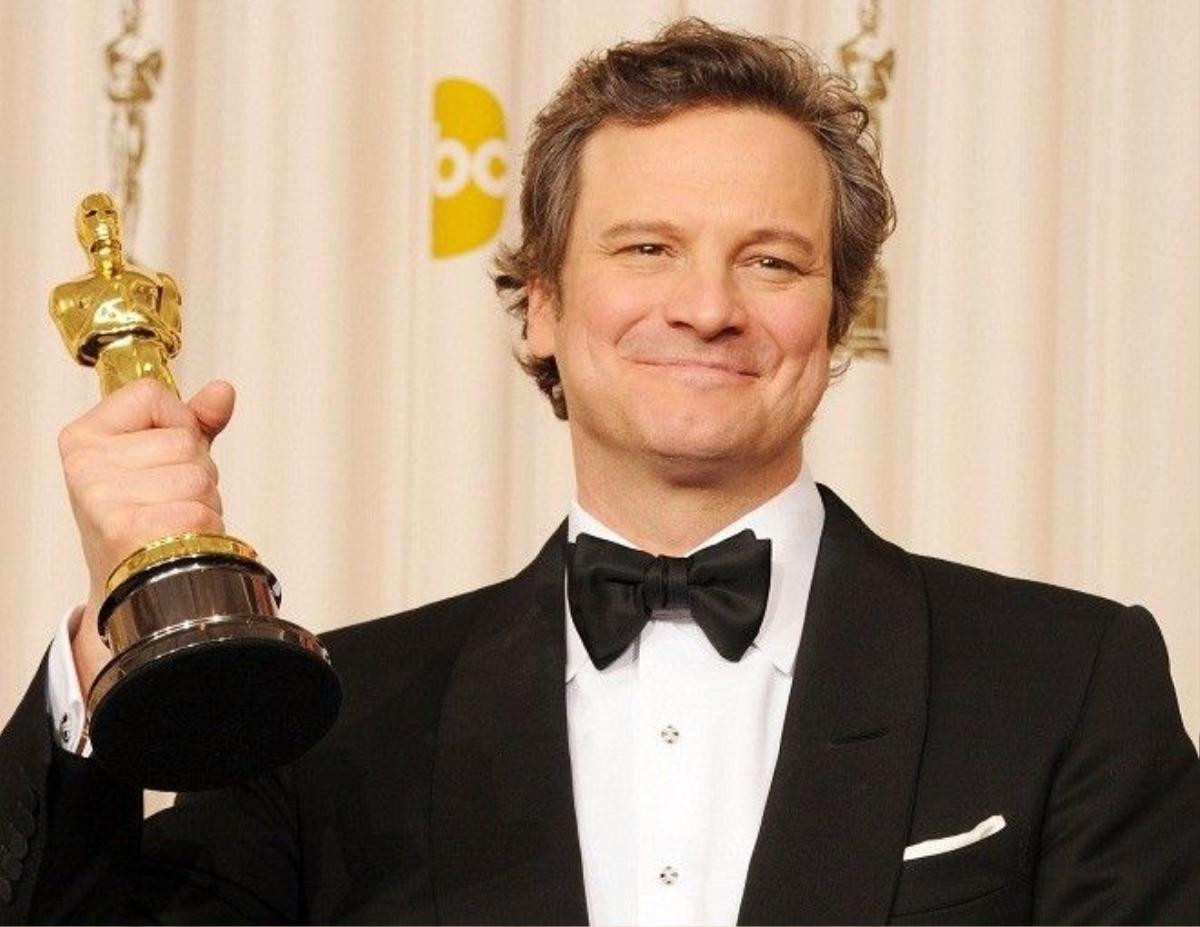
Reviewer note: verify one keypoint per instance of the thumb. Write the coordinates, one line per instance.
(213, 407)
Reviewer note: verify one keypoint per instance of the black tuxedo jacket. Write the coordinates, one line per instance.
(927, 697)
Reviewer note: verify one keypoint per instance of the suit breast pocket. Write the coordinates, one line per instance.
(959, 876)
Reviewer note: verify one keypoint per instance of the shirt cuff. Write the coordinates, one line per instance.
(63, 694)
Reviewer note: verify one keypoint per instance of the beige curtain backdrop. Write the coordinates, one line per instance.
(1039, 414)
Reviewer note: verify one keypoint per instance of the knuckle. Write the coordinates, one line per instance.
(136, 393)
(114, 530)
(72, 467)
(69, 440)
(89, 499)
(146, 388)
(148, 396)
(185, 443)
(197, 481)
(196, 516)
(83, 462)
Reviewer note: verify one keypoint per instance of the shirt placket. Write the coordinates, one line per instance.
(669, 879)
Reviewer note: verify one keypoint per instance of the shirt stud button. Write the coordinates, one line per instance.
(669, 875)
(669, 734)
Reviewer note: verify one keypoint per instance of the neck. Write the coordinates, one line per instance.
(107, 261)
(672, 508)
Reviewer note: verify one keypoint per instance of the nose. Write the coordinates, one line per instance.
(707, 302)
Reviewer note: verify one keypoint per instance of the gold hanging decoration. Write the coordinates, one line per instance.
(134, 68)
(870, 61)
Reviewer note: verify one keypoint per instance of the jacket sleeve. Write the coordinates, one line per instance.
(74, 847)
(1121, 835)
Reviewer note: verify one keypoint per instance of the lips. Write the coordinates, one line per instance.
(699, 371)
(710, 363)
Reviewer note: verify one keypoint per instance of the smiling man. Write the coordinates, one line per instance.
(715, 695)
(690, 318)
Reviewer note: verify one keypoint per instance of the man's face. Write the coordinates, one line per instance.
(690, 325)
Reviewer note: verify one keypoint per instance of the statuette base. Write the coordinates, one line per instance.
(208, 686)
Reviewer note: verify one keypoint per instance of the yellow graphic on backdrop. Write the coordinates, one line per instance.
(470, 166)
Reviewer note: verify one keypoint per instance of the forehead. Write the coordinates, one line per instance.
(725, 165)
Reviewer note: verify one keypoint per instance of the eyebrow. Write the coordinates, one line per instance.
(759, 236)
(775, 233)
(665, 229)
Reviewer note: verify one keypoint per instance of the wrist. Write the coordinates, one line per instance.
(88, 648)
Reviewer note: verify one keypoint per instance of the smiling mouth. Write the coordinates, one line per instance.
(697, 370)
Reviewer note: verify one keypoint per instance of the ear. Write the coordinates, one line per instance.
(541, 324)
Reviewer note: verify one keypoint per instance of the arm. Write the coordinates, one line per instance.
(1121, 836)
(169, 307)
(76, 849)
(33, 804)
(63, 306)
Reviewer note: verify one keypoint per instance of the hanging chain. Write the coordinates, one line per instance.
(134, 68)
(870, 61)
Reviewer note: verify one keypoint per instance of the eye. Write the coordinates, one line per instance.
(769, 262)
(89, 214)
(646, 249)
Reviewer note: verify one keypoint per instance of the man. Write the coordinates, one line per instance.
(762, 713)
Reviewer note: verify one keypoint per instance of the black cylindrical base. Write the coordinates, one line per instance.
(209, 687)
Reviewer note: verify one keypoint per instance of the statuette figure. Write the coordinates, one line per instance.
(121, 319)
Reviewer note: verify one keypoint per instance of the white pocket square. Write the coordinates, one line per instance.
(992, 825)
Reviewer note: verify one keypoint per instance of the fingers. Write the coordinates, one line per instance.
(138, 468)
(144, 403)
(213, 407)
(128, 528)
(155, 486)
(157, 447)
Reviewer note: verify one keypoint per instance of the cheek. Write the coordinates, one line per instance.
(803, 372)
(800, 334)
(606, 310)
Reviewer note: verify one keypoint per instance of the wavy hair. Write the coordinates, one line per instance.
(691, 63)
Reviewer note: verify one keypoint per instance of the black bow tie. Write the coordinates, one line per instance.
(614, 590)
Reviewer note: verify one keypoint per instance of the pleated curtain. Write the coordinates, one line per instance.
(309, 168)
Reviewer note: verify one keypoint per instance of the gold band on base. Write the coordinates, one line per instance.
(177, 547)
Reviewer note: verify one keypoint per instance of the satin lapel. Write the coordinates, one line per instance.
(505, 846)
(837, 816)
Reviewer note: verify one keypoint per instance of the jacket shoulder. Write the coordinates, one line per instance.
(431, 636)
(413, 644)
(427, 623)
(1039, 644)
(972, 595)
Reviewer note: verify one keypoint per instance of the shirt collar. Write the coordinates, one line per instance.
(792, 520)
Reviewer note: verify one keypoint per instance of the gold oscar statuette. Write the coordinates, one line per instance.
(207, 685)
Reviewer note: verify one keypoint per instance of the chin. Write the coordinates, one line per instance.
(699, 466)
(700, 448)
(701, 443)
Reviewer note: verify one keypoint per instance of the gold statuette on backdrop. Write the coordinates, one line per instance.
(207, 685)
(869, 61)
(134, 68)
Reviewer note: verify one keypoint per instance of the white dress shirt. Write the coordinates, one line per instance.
(63, 693)
(673, 747)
